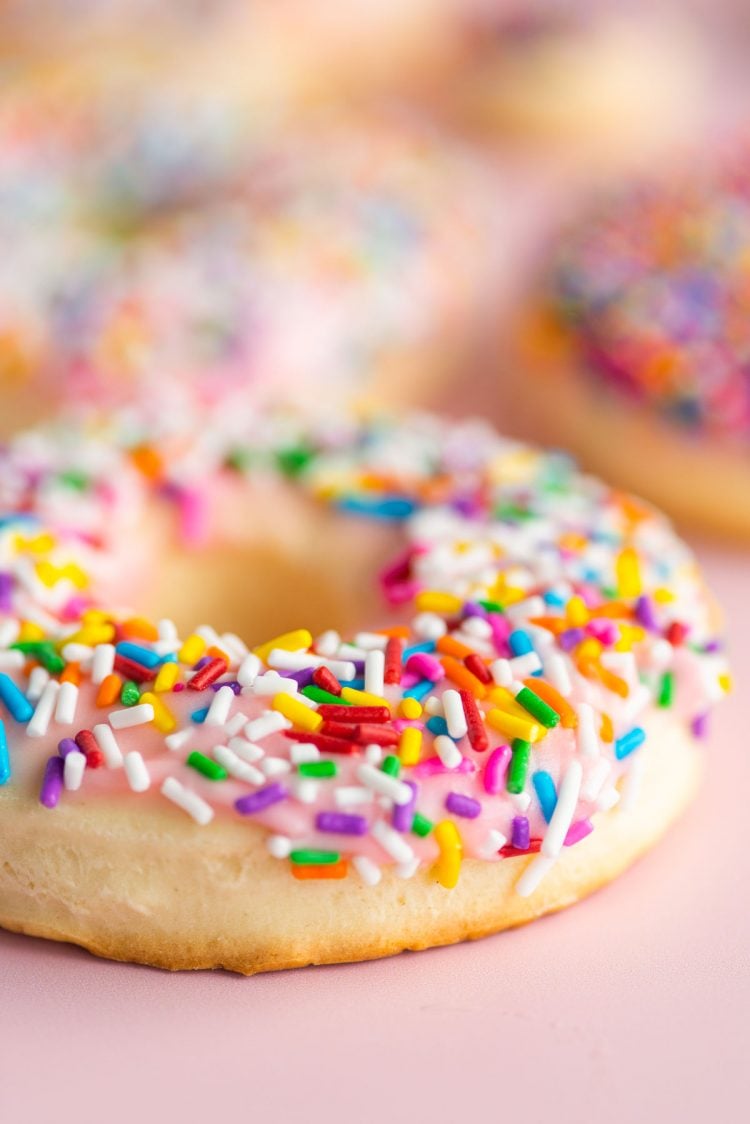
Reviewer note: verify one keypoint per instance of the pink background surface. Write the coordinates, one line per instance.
(632, 1004)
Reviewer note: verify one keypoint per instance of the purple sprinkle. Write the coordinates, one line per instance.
(302, 678)
(520, 834)
(6, 589)
(340, 823)
(462, 805)
(578, 831)
(570, 638)
(645, 615)
(233, 683)
(699, 726)
(713, 646)
(471, 609)
(201, 663)
(66, 746)
(52, 782)
(403, 814)
(263, 798)
(359, 667)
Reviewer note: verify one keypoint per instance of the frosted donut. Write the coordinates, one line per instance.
(521, 730)
(354, 253)
(641, 339)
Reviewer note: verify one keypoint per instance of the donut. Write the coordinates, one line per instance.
(354, 252)
(639, 335)
(525, 724)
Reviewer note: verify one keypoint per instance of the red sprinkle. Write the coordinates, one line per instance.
(508, 851)
(89, 747)
(324, 742)
(476, 665)
(477, 733)
(132, 670)
(208, 674)
(354, 714)
(339, 730)
(393, 655)
(677, 633)
(371, 734)
(324, 678)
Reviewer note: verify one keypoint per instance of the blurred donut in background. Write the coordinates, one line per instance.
(637, 352)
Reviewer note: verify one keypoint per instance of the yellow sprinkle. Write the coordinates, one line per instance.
(297, 713)
(37, 544)
(362, 698)
(289, 641)
(29, 630)
(163, 718)
(725, 682)
(166, 677)
(576, 613)
(511, 726)
(410, 708)
(410, 745)
(433, 601)
(589, 649)
(628, 571)
(95, 616)
(506, 701)
(192, 650)
(47, 573)
(663, 596)
(448, 866)
(75, 575)
(92, 635)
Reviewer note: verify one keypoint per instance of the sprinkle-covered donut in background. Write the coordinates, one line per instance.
(524, 724)
(641, 335)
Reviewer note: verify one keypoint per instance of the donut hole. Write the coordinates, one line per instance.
(287, 563)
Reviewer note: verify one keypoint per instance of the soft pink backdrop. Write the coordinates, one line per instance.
(633, 1005)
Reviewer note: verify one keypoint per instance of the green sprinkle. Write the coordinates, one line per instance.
(294, 460)
(318, 769)
(666, 694)
(420, 825)
(79, 481)
(130, 694)
(44, 652)
(492, 606)
(211, 769)
(391, 765)
(537, 707)
(310, 857)
(317, 694)
(239, 460)
(519, 766)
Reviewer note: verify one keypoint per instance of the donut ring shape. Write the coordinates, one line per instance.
(187, 801)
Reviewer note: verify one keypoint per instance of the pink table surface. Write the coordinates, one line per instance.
(634, 1004)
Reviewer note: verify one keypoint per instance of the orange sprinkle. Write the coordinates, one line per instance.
(552, 624)
(71, 674)
(399, 631)
(449, 646)
(329, 870)
(607, 730)
(553, 698)
(147, 461)
(218, 654)
(109, 690)
(138, 628)
(461, 675)
(612, 609)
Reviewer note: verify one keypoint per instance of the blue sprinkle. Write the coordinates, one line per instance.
(520, 642)
(629, 742)
(199, 715)
(554, 599)
(438, 726)
(419, 690)
(4, 758)
(392, 507)
(355, 684)
(16, 702)
(545, 791)
(145, 656)
(427, 646)
(171, 657)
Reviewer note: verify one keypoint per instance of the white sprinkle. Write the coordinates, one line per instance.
(660, 653)
(279, 846)
(103, 662)
(408, 869)
(370, 640)
(433, 706)
(167, 631)
(272, 684)
(73, 770)
(236, 723)
(275, 766)
(351, 652)
(448, 751)
(622, 664)
(11, 660)
(234, 647)
(189, 801)
(631, 785)
(556, 671)
(248, 751)
(477, 627)
(179, 739)
(374, 672)
(302, 753)
(221, 704)
(491, 845)
(501, 672)
(66, 704)
(520, 801)
(42, 716)
(209, 635)
(588, 736)
(327, 644)
(77, 653)
(107, 742)
(429, 626)
(608, 799)
(235, 766)
(248, 670)
(131, 716)
(9, 632)
(597, 774)
(392, 843)
(454, 714)
(537, 869)
(305, 789)
(373, 754)
(38, 680)
(269, 723)
(523, 666)
(136, 772)
(298, 661)
(562, 817)
(368, 871)
(383, 783)
(349, 795)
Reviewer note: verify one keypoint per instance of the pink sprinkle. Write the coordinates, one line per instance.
(401, 724)
(193, 517)
(433, 766)
(409, 679)
(604, 631)
(179, 687)
(425, 666)
(496, 768)
(578, 831)
(500, 632)
(401, 594)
